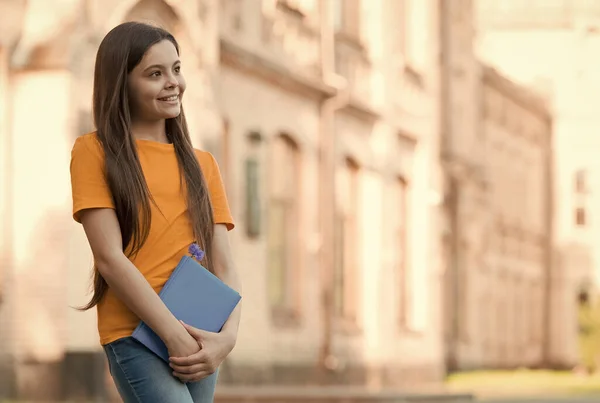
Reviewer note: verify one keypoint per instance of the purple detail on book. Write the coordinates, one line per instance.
(196, 252)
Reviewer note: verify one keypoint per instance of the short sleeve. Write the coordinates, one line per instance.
(88, 181)
(218, 197)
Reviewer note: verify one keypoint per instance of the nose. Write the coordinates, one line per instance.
(171, 82)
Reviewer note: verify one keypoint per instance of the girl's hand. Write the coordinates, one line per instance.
(214, 348)
(182, 344)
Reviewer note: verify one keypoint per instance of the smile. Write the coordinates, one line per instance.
(170, 99)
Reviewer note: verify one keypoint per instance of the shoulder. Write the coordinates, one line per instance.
(204, 156)
(207, 161)
(87, 144)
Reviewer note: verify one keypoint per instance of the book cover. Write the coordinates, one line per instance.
(194, 295)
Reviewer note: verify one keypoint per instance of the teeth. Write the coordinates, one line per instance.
(173, 98)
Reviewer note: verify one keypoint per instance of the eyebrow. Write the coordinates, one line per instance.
(160, 66)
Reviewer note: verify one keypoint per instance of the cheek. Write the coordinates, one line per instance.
(144, 93)
(182, 83)
(149, 93)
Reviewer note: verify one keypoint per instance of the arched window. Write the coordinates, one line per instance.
(283, 229)
(346, 292)
(399, 218)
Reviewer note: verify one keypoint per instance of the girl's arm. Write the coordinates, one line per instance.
(129, 285)
(215, 346)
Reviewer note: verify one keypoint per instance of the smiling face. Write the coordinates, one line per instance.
(156, 84)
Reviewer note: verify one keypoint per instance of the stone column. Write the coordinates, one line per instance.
(10, 29)
(210, 127)
(7, 374)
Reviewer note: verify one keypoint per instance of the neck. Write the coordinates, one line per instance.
(153, 131)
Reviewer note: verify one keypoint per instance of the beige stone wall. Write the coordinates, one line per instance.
(399, 143)
(565, 70)
(425, 124)
(256, 71)
(463, 161)
(497, 140)
(250, 105)
(6, 330)
(517, 132)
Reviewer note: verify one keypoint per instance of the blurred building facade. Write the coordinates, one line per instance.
(517, 127)
(551, 46)
(336, 161)
(329, 149)
(387, 225)
(497, 157)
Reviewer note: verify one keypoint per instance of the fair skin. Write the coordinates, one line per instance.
(194, 353)
(150, 83)
(214, 347)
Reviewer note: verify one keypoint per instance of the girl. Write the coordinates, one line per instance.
(143, 196)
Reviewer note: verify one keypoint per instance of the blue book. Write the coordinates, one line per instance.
(194, 295)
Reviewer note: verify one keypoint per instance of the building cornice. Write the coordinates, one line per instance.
(524, 97)
(246, 61)
(268, 70)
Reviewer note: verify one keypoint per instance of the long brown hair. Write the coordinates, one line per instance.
(120, 51)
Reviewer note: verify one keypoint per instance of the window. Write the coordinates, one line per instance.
(338, 15)
(580, 185)
(580, 181)
(464, 294)
(346, 17)
(535, 312)
(415, 20)
(4, 135)
(519, 315)
(461, 12)
(253, 210)
(580, 218)
(400, 11)
(284, 293)
(399, 217)
(347, 245)
(223, 156)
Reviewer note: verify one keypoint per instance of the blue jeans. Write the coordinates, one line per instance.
(142, 377)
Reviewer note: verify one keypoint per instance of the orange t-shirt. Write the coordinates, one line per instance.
(170, 231)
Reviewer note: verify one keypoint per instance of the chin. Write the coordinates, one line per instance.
(170, 114)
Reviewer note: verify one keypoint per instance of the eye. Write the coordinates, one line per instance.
(177, 69)
(155, 73)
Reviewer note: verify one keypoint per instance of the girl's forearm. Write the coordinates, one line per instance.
(130, 286)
